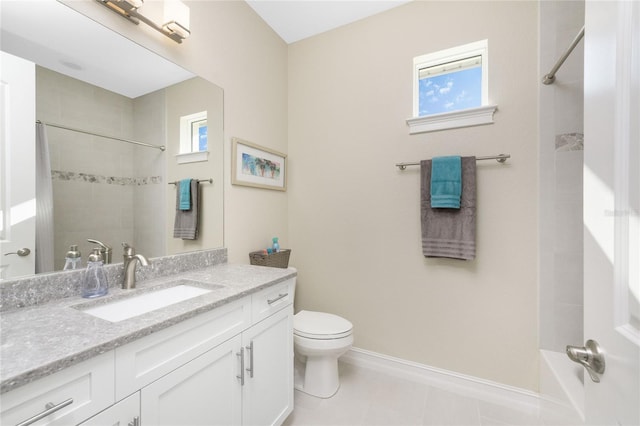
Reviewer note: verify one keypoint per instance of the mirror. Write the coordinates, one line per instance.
(91, 78)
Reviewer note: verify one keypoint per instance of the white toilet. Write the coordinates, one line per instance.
(319, 339)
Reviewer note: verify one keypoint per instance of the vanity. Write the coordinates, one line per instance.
(223, 355)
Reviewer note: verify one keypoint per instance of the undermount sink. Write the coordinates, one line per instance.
(121, 310)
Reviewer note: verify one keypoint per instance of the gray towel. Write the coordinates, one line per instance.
(186, 223)
(449, 232)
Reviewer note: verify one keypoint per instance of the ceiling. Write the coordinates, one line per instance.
(295, 20)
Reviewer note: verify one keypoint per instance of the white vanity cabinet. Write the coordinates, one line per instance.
(267, 393)
(63, 398)
(247, 380)
(232, 365)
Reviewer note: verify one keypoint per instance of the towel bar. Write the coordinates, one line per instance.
(199, 181)
(500, 158)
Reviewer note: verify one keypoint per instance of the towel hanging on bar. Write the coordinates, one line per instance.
(449, 233)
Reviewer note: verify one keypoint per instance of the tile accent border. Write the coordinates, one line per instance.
(60, 175)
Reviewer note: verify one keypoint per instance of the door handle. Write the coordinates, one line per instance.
(21, 252)
(590, 356)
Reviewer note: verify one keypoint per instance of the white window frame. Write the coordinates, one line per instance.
(455, 119)
(188, 145)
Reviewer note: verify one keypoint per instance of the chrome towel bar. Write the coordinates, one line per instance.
(500, 158)
(199, 181)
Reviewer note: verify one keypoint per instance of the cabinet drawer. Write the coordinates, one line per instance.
(149, 358)
(89, 385)
(272, 299)
(123, 413)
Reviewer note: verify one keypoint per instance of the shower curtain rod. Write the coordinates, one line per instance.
(160, 147)
(551, 76)
(500, 158)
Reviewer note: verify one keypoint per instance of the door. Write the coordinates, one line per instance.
(17, 167)
(267, 394)
(204, 391)
(611, 207)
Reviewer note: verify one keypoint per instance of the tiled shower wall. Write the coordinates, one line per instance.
(96, 181)
(561, 160)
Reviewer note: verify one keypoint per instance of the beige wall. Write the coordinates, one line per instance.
(185, 98)
(354, 217)
(233, 48)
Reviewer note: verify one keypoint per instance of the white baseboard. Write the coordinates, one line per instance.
(475, 387)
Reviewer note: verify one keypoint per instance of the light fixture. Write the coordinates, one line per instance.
(176, 16)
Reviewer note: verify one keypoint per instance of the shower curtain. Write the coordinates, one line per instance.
(44, 203)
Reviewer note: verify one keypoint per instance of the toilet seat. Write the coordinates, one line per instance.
(320, 326)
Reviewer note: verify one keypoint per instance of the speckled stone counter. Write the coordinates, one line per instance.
(43, 339)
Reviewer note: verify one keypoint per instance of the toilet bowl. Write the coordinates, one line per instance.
(319, 339)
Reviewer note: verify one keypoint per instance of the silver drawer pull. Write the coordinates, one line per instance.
(280, 296)
(50, 409)
(250, 349)
(241, 375)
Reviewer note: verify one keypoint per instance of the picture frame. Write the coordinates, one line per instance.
(256, 166)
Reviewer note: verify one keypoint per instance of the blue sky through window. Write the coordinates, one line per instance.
(450, 92)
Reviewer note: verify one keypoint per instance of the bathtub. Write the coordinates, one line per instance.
(561, 384)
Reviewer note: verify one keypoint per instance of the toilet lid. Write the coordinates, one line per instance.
(320, 324)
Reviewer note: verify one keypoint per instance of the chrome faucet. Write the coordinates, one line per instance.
(131, 259)
(105, 250)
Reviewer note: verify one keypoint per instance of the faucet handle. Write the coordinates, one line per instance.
(104, 246)
(128, 250)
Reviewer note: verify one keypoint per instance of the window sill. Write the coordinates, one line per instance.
(192, 157)
(452, 120)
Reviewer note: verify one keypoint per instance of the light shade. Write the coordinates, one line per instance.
(176, 18)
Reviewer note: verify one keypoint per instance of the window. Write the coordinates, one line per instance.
(450, 89)
(193, 138)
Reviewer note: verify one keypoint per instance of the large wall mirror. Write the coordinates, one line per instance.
(92, 82)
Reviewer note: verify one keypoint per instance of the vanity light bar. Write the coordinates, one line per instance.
(128, 9)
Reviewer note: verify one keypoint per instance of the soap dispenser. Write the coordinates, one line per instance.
(276, 245)
(73, 258)
(94, 282)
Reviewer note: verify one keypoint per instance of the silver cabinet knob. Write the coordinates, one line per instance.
(590, 356)
(22, 252)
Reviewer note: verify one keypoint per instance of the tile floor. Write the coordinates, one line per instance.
(368, 397)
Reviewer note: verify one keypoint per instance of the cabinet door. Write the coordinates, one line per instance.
(204, 391)
(124, 413)
(267, 396)
(63, 398)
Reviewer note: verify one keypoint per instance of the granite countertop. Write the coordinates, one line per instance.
(41, 340)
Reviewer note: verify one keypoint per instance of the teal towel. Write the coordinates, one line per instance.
(446, 182)
(185, 194)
